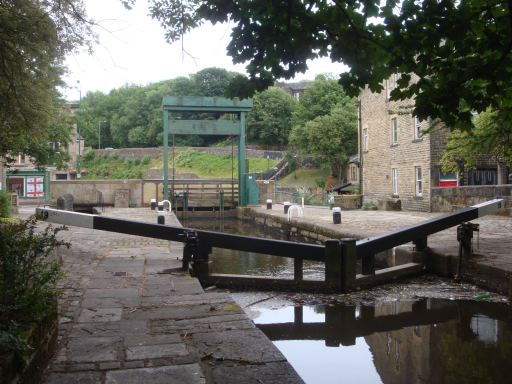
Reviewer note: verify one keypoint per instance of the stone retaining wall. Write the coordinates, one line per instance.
(448, 199)
(86, 191)
(154, 153)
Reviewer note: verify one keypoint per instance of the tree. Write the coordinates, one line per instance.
(487, 138)
(459, 53)
(317, 100)
(325, 124)
(35, 36)
(269, 121)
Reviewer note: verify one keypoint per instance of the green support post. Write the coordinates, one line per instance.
(166, 155)
(242, 193)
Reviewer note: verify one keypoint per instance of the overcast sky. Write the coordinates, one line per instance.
(132, 50)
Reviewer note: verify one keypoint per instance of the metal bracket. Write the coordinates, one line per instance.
(190, 238)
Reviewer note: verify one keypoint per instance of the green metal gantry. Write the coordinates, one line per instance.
(207, 127)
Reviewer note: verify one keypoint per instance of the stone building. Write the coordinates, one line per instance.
(400, 164)
(295, 89)
(28, 182)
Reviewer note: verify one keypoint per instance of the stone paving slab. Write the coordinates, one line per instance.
(129, 315)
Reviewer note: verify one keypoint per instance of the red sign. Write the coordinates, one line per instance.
(448, 183)
(35, 186)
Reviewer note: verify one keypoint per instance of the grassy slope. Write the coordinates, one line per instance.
(202, 164)
(304, 177)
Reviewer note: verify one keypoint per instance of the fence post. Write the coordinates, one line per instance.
(368, 264)
(200, 262)
(333, 264)
(348, 263)
(420, 244)
(297, 269)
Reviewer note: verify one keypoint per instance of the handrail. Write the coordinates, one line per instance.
(206, 238)
(420, 231)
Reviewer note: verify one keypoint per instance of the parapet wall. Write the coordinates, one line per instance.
(448, 199)
(86, 191)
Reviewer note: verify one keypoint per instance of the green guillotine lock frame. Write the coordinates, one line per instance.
(176, 104)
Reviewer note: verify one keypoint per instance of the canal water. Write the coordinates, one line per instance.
(422, 332)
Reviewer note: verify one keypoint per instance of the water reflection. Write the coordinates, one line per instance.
(428, 341)
(250, 263)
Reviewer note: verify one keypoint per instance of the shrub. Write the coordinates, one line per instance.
(28, 278)
(115, 156)
(136, 161)
(89, 155)
(320, 182)
(5, 204)
(145, 160)
(292, 161)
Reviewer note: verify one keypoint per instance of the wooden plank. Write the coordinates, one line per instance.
(265, 283)
(389, 274)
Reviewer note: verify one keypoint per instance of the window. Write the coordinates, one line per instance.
(353, 173)
(417, 128)
(296, 95)
(397, 77)
(395, 181)
(388, 89)
(22, 158)
(448, 179)
(394, 131)
(418, 181)
(365, 139)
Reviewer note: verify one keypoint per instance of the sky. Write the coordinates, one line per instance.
(132, 50)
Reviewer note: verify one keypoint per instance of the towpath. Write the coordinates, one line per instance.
(129, 315)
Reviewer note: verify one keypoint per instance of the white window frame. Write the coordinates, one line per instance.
(365, 139)
(417, 127)
(397, 77)
(394, 131)
(418, 181)
(394, 172)
(388, 89)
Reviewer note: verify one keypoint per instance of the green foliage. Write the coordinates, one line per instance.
(304, 177)
(325, 123)
(35, 37)
(136, 161)
(134, 113)
(115, 156)
(5, 204)
(89, 155)
(369, 206)
(145, 160)
(489, 137)
(28, 277)
(269, 121)
(320, 182)
(458, 51)
(292, 161)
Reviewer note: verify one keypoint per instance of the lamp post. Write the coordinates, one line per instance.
(79, 138)
(99, 132)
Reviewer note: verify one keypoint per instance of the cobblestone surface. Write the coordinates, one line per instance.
(127, 319)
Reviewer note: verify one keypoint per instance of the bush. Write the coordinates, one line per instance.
(292, 161)
(5, 204)
(115, 156)
(145, 160)
(89, 155)
(28, 278)
(136, 161)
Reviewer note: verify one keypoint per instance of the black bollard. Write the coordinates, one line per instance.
(336, 215)
(286, 206)
(161, 217)
(160, 205)
(153, 204)
(269, 204)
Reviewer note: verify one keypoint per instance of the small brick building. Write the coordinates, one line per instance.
(399, 163)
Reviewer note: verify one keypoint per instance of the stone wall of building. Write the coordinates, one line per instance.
(449, 199)
(382, 154)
